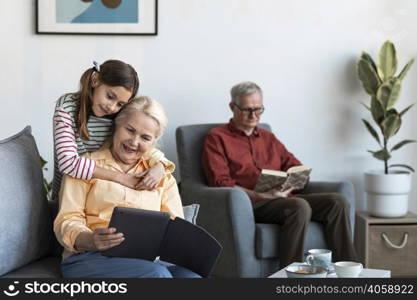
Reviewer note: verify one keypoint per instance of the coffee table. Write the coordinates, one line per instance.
(366, 273)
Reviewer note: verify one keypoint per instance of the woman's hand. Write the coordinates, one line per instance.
(106, 238)
(129, 180)
(150, 178)
(147, 180)
(100, 239)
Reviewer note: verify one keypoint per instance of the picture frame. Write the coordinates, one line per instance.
(97, 17)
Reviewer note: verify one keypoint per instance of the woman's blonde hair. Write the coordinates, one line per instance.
(149, 107)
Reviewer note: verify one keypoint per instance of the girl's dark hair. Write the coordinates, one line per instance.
(111, 73)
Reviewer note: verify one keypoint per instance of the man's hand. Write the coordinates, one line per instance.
(151, 178)
(275, 193)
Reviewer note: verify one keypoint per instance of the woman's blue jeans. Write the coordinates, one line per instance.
(94, 265)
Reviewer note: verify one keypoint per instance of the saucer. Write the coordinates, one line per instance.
(305, 271)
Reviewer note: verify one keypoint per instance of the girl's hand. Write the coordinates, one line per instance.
(129, 180)
(151, 178)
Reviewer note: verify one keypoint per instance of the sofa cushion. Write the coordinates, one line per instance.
(25, 222)
(267, 239)
(191, 212)
(49, 267)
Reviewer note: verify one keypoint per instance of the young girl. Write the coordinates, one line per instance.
(84, 120)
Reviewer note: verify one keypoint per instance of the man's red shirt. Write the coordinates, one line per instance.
(230, 157)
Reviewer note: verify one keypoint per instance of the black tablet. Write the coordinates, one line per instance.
(143, 230)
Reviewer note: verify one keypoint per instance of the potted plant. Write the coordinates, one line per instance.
(387, 190)
(47, 185)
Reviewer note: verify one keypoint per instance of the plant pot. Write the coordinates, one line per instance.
(387, 194)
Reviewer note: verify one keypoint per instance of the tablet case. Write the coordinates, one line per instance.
(149, 234)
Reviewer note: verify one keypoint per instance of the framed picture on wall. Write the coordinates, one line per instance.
(125, 17)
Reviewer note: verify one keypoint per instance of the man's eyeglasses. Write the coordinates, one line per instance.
(248, 111)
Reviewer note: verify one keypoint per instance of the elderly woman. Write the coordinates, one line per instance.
(86, 206)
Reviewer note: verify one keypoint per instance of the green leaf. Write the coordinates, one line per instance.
(368, 58)
(406, 109)
(43, 162)
(378, 112)
(403, 166)
(47, 185)
(388, 93)
(391, 125)
(400, 144)
(368, 77)
(392, 111)
(405, 70)
(387, 61)
(381, 154)
(371, 130)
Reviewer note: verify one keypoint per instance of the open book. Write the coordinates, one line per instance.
(295, 177)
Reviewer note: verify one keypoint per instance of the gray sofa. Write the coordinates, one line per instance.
(28, 247)
(249, 249)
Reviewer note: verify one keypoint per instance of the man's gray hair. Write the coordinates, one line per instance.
(243, 89)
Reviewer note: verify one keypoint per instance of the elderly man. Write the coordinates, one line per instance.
(234, 155)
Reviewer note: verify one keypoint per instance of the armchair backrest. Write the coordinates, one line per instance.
(190, 141)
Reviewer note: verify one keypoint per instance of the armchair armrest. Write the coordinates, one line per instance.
(228, 215)
(342, 187)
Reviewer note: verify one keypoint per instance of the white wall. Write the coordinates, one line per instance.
(301, 52)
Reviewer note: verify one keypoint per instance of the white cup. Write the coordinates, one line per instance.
(319, 257)
(346, 269)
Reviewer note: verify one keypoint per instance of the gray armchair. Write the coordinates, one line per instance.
(249, 249)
